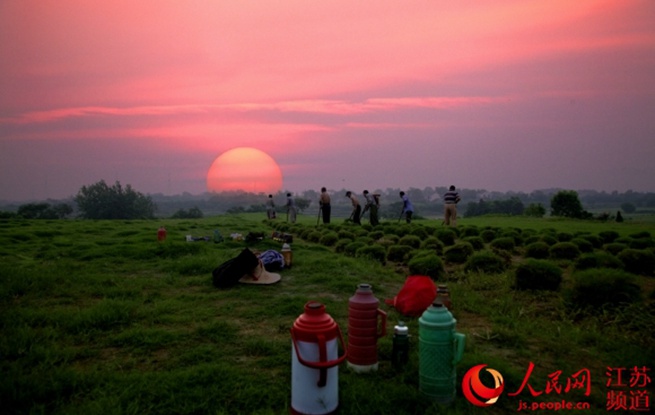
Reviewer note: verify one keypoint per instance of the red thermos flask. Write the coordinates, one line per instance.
(366, 324)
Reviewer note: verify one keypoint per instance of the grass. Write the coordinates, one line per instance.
(98, 317)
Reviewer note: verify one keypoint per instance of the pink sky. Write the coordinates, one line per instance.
(501, 95)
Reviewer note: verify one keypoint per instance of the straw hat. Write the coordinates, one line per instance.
(260, 276)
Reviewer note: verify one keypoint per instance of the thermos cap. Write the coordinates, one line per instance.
(401, 329)
(286, 247)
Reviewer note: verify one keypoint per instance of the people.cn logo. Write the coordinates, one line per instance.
(479, 394)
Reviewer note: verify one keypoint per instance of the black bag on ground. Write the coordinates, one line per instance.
(229, 272)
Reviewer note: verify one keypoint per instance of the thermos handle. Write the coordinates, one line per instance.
(322, 357)
(383, 323)
(322, 364)
(459, 347)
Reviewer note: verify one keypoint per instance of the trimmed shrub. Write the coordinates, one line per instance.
(638, 261)
(329, 239)
(505, 243)
(598, 260)
(314, 236)
(340, 246)
(538, 274)
(366, 240)
(398, 253)
(531, 239)
(527, 233)
(538, 250)
(446, 235)
(594, 240)
(641, 243)
(351, 248)
(392, 237)
(488, 235)
(432, 243)
(411, 240)
(518, 239)
(469, 231)
(623, 240)
(608, 236)
(485, 261)
(583, 244)
(376, 234)
(343, 234)
(419, 231)
(603, 286)
(386, 243)
(429, 264)
(614, 248)
(640, 235)
(476, 241)
(564, 250)
(375, 252)
(564, 236)
(459, 252)
(401, 230)
(549, 239)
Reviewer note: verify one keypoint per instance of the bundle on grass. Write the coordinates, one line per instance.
(244, 268)
(415, 296)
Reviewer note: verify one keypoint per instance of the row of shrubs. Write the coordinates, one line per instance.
(604, 265)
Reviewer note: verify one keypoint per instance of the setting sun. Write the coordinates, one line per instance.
(244, 168)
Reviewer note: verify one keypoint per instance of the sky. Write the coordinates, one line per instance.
(503, 95)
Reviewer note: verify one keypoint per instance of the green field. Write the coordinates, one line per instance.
(99, 318)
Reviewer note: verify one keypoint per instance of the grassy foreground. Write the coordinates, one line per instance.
(97, 317)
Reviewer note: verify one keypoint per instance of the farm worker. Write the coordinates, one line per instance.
(270, 207)
(291, 209)
(408, 209)
(324, 203)
(451, 199)
(357, 209)
(372, 204)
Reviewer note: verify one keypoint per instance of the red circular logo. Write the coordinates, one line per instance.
(477, 393)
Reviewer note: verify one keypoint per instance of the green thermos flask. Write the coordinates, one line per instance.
(440, 349)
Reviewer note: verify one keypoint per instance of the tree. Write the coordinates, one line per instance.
(100, 201)
(566, 203)
(44, 211)
(34, 211)
(536, 210)
(302, 203)
(193, 213)
(628, 207)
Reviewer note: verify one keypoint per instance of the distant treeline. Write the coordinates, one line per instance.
(427, 202)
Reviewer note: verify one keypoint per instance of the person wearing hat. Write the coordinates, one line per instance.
(291, 209)
(357, 209)
(372, 205)
(324, 203)
(408, 209)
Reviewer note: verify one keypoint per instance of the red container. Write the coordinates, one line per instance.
(366, 324)
(161, 234)
(314, 362)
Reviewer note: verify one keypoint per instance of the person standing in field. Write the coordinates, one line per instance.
(372, 205)
(357, 209)
(291, 209)
(451, 199)
(408, 209)
(270, 207)
(324, 203)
